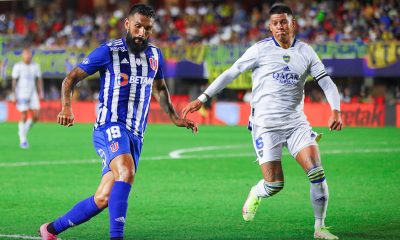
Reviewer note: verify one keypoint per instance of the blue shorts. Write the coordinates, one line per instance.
(113, 139)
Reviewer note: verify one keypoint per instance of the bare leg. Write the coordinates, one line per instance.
(21, 129)
(270, 185)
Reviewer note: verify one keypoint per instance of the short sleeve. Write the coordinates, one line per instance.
(317, 68)
(248, 60)
(97, 59)
(160, 73)
(15, 71)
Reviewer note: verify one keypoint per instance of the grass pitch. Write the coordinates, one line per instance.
(193, 186)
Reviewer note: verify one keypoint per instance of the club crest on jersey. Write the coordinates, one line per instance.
(114, 147)
(153, 63)
(286, 58)
(123, 79)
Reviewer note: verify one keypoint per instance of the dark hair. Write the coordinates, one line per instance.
(279, 8)
(142, 9)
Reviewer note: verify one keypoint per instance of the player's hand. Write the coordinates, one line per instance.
(187, 123)
(66, 117)
(335, 121)
(192, 107)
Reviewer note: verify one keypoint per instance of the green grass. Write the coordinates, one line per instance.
(200, 195)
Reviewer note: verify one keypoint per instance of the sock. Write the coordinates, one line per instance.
(267, 189)
(117, 207)
(80, 213)
(21, 132)
(28, 124)
(319, 195)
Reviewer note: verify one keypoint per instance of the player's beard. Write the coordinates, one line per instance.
(134, 46)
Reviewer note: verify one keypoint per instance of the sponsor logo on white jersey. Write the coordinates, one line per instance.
(286, 78)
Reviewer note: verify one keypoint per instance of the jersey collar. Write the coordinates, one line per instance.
(277, 44)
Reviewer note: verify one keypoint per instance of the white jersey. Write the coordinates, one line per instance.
(26, 75)
(278, 78)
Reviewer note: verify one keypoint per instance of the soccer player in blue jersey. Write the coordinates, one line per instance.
(130, 72)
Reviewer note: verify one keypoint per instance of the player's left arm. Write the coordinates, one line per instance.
(332, 95)
(161, 94)
(39, 83)
(40, 88)
(331, 92)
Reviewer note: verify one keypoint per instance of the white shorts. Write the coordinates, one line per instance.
(26, 102)
(268, 144)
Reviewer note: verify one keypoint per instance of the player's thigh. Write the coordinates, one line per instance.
(272, 171)
(123, 167)
(34, 102)
(299, 138)
(111, 141)
(309, 157)
(267, 144)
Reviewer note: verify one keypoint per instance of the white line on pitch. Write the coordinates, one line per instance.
(17, 236)
(177, 154)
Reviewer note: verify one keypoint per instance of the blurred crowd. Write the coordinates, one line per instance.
(209, 22)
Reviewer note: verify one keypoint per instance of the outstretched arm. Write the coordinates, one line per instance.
(161, 94)
(66, 117)
(222, 80)
(332, 95)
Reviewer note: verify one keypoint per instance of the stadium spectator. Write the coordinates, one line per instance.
(129, 66)
(27, 85)
(346, 95)
(319, 21)
(277, 118)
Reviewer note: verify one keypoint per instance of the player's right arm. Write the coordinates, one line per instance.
(66, 117)
(14, 75)
(245, 62)
(96, 60)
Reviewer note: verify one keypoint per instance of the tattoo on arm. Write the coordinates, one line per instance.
(75, 76)
(160, 92)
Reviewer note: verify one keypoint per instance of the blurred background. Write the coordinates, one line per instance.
(358, 41)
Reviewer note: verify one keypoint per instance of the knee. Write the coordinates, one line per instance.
(24, 117)
(125, 174)
(101, 199)
(35, 118)
(273, 188)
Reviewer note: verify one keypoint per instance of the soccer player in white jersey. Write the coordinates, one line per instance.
(27, 86)
(280, 66)
(130, 73)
